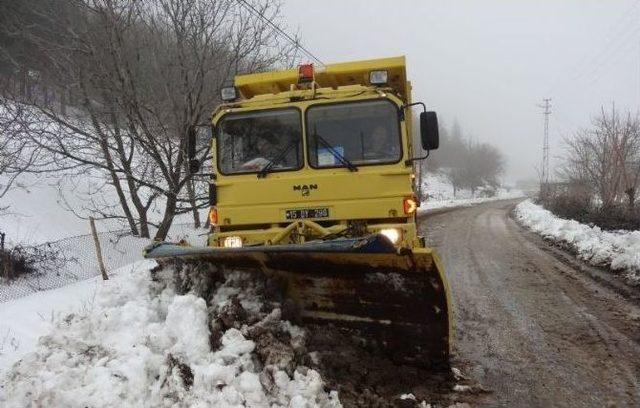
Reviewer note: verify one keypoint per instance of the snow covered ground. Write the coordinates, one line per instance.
(39, 212)
(24, 320)
(135, 341)
(440, 194)
(619, 250)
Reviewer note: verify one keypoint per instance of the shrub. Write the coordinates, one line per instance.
(581, 208)
(21, 260)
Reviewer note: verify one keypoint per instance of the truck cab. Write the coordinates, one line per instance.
(312, 153)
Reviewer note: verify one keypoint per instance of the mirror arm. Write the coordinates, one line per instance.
(424, 107)
(409, 161)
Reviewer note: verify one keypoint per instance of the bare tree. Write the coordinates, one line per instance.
(627, 153)
(17, 155)
(606, 156)
(140, 74)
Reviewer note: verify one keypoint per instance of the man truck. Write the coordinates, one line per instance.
(314, 181)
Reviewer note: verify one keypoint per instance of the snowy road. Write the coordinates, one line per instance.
(532, 325)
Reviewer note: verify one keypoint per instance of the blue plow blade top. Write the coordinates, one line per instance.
(372, 244)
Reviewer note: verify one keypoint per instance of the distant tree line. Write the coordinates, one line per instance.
(468, 164)
(107, 89)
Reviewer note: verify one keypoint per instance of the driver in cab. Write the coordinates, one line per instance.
(264, 150)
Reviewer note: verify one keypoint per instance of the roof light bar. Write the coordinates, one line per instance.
(305, 73)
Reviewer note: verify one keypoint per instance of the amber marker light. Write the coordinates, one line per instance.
(409, 205)
(213, 216)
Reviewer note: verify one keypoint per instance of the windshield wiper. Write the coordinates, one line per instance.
(334, 152)
(265, 170)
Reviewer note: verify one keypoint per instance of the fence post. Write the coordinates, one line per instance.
(4, 264)
(96, 241)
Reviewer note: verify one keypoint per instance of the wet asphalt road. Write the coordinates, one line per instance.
(533, 325)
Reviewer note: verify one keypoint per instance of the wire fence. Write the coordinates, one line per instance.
(75, 260)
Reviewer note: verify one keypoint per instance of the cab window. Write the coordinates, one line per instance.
(361, 132)
(252, 141)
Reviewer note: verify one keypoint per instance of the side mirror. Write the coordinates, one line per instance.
(429, 135)
(198, 146)
(194, 164)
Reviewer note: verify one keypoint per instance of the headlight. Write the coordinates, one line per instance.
(392, 233)
(232, 242)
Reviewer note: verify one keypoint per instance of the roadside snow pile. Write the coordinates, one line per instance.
(439, 188)
(467, 202)
(24, 320)
(148, 340)
(619, 250)
(440, 194)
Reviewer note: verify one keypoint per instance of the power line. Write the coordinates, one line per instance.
(621, 37)
(618, 31)
(279, 30)
(609, 47)
(612, 55)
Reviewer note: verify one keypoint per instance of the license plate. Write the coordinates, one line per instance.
(307, 213)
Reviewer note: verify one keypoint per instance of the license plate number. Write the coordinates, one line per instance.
(307, 213)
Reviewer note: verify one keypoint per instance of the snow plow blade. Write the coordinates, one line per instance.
(396, 301)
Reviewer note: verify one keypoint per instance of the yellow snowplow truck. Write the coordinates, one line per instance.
(314, 183)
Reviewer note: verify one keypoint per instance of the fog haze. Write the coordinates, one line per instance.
(489, 64)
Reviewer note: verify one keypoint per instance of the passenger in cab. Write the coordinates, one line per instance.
(381, 148)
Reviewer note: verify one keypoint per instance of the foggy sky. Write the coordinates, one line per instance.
(490, 63)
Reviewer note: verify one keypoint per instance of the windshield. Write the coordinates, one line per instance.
(360, 132)
(250, 142)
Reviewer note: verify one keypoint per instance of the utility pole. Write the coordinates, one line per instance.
(544, 180)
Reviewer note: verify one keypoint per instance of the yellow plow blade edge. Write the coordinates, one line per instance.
(398, 302)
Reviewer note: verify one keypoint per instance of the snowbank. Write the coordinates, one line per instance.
(619, 250)
(467, 202)
(440, 194)
(141, 343)
(24, 320)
